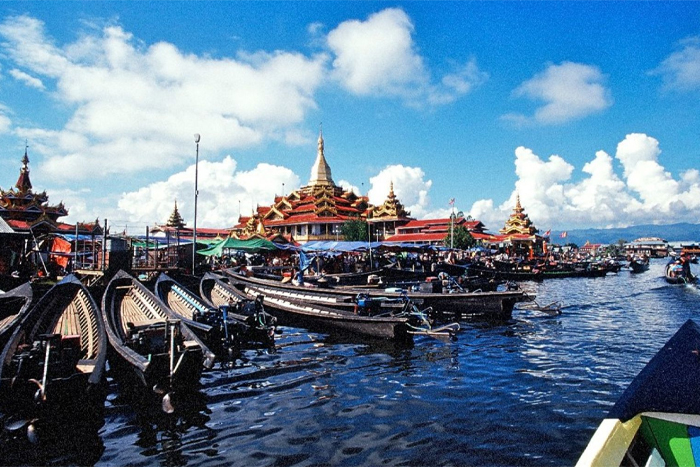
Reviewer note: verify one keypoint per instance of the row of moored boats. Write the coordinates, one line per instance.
(55, 347)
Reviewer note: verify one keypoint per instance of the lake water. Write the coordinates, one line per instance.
(528, 392)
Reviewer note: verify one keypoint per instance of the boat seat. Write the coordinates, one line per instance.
(190, 344)
(85, 366)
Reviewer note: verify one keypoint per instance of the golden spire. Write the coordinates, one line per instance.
(518, 207)
(321, 171)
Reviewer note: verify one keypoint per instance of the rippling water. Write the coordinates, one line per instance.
(529, 392)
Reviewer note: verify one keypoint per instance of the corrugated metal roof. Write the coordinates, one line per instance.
(4, 227)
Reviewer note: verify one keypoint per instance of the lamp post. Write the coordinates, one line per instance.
(196, 193)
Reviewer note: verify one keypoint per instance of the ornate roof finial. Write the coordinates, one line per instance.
(518, 207)
(23, 184)
(25, 159)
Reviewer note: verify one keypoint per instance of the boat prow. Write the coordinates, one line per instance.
(656, 421)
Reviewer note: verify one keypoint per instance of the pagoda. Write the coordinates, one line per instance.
(316, 211)
(388, 216)
(175, 220)
(25, 210)
(520, 232)
(518, 223)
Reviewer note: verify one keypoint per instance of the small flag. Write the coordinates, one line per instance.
(564, 234)
(452, 202)
(546, 234)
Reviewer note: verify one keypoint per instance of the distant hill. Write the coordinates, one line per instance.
(671, 233)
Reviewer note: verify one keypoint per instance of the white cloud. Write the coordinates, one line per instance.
(646, 192)
(410, 187)
(5, 121)
(378, 57)
(570, 91)
(681, 69)
(26, 79)
(223, 191)
(133, 100)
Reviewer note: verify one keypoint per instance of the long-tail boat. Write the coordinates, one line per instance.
(638, 265)
(216, 292)
(221, 331)
(150, 341)
(675, 273)
(13, 305)
(656, 421)
(53, 364)
(400, 320)
(488, 305)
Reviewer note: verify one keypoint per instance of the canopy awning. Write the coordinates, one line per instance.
(252, 245)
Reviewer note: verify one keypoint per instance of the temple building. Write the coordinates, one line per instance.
(520, 234)
(385, 219)
(31, 225)
(25, 210)
(318, 210)
(434, 231)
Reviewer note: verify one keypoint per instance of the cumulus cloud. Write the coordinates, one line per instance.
(377, 57)
(410, 187)
(133, 100)
(569, 91)
(645, 192)
(681, 70)
(224, 192)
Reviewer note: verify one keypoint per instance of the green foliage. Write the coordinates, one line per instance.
(461, 238)
(354, 231)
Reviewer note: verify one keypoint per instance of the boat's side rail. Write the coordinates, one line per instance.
(186, 301)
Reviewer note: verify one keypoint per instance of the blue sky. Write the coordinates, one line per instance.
(590, 111)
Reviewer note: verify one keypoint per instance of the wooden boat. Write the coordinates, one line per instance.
(674, 273)
(487, 305)
(514, 272)
(221, 329)
(13, 305)
(384, 317)
(217, 293)
(656, 421)
(53, 364)
(147, 339)
(638, 265)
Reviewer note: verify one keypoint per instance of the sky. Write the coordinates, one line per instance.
(589, 111)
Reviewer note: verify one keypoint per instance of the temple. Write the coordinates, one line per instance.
(318, 210)
(24, 210)
(520, 233)
(30, 226)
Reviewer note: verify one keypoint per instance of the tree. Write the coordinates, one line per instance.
(460, 239)
(354, 230)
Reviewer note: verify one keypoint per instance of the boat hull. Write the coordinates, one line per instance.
(656, 421)
(143, 332)
(484, 305)
(53, 365)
